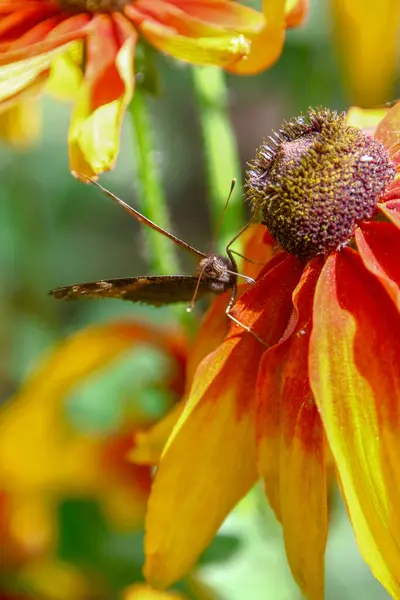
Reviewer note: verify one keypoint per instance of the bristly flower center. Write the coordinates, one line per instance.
(316, 180)
(94, 6)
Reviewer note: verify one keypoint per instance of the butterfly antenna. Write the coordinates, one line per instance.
(142, 219)
(217, 229)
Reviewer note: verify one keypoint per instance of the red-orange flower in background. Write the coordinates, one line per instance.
(327, 307)
(33, 33)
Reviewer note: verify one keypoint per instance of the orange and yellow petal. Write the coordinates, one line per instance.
(355, 377)
(104, 96)
(295, 12)
(212, 33)
(266, 47)
(290, 443)
(209, 461)
(367, 39)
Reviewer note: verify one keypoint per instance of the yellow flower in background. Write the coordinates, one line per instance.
(44, 460)
(35, 34)
(368, 40)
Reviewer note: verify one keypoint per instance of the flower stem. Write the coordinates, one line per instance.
(220, 150)
(152, 198)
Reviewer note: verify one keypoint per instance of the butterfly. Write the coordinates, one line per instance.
(215, 274)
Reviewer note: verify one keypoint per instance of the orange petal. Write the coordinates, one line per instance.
(104, 96)
(257, 249)
(388, 130)
(379, 248)
(355, 377)
(367, 38)
(266, 47)
(209, 461)
(290, 440)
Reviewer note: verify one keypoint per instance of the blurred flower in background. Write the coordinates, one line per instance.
(34, 34)
(323, 310)
(367, 37)
(67, 494)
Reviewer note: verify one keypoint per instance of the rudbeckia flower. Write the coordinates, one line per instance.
(34, 33)
(326, 381)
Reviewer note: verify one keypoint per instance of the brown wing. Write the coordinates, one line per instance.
(156, 290)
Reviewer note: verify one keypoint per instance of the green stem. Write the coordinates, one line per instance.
(152, 198)
(220, 150)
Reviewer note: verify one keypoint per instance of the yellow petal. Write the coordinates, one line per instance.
(141, 591)
(221, 51)
(56, 580)
(94, 133)
(367, 34)
(65, 77)
(15, 77)
(21, 124)
(206, 468)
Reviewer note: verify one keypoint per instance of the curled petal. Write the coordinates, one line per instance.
(266, 47)
(295, 12)
(367, 36)
(209, 461)
(355, 377)
(290, 441)
(379, 248)
(105, 93)
(223, 51)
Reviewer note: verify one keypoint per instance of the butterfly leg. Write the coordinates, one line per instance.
(235, 320)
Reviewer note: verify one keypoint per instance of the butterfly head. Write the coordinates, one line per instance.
(216, 271)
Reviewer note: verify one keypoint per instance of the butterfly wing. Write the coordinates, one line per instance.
(157, 290)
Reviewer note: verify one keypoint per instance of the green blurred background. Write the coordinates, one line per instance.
(56, 231)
